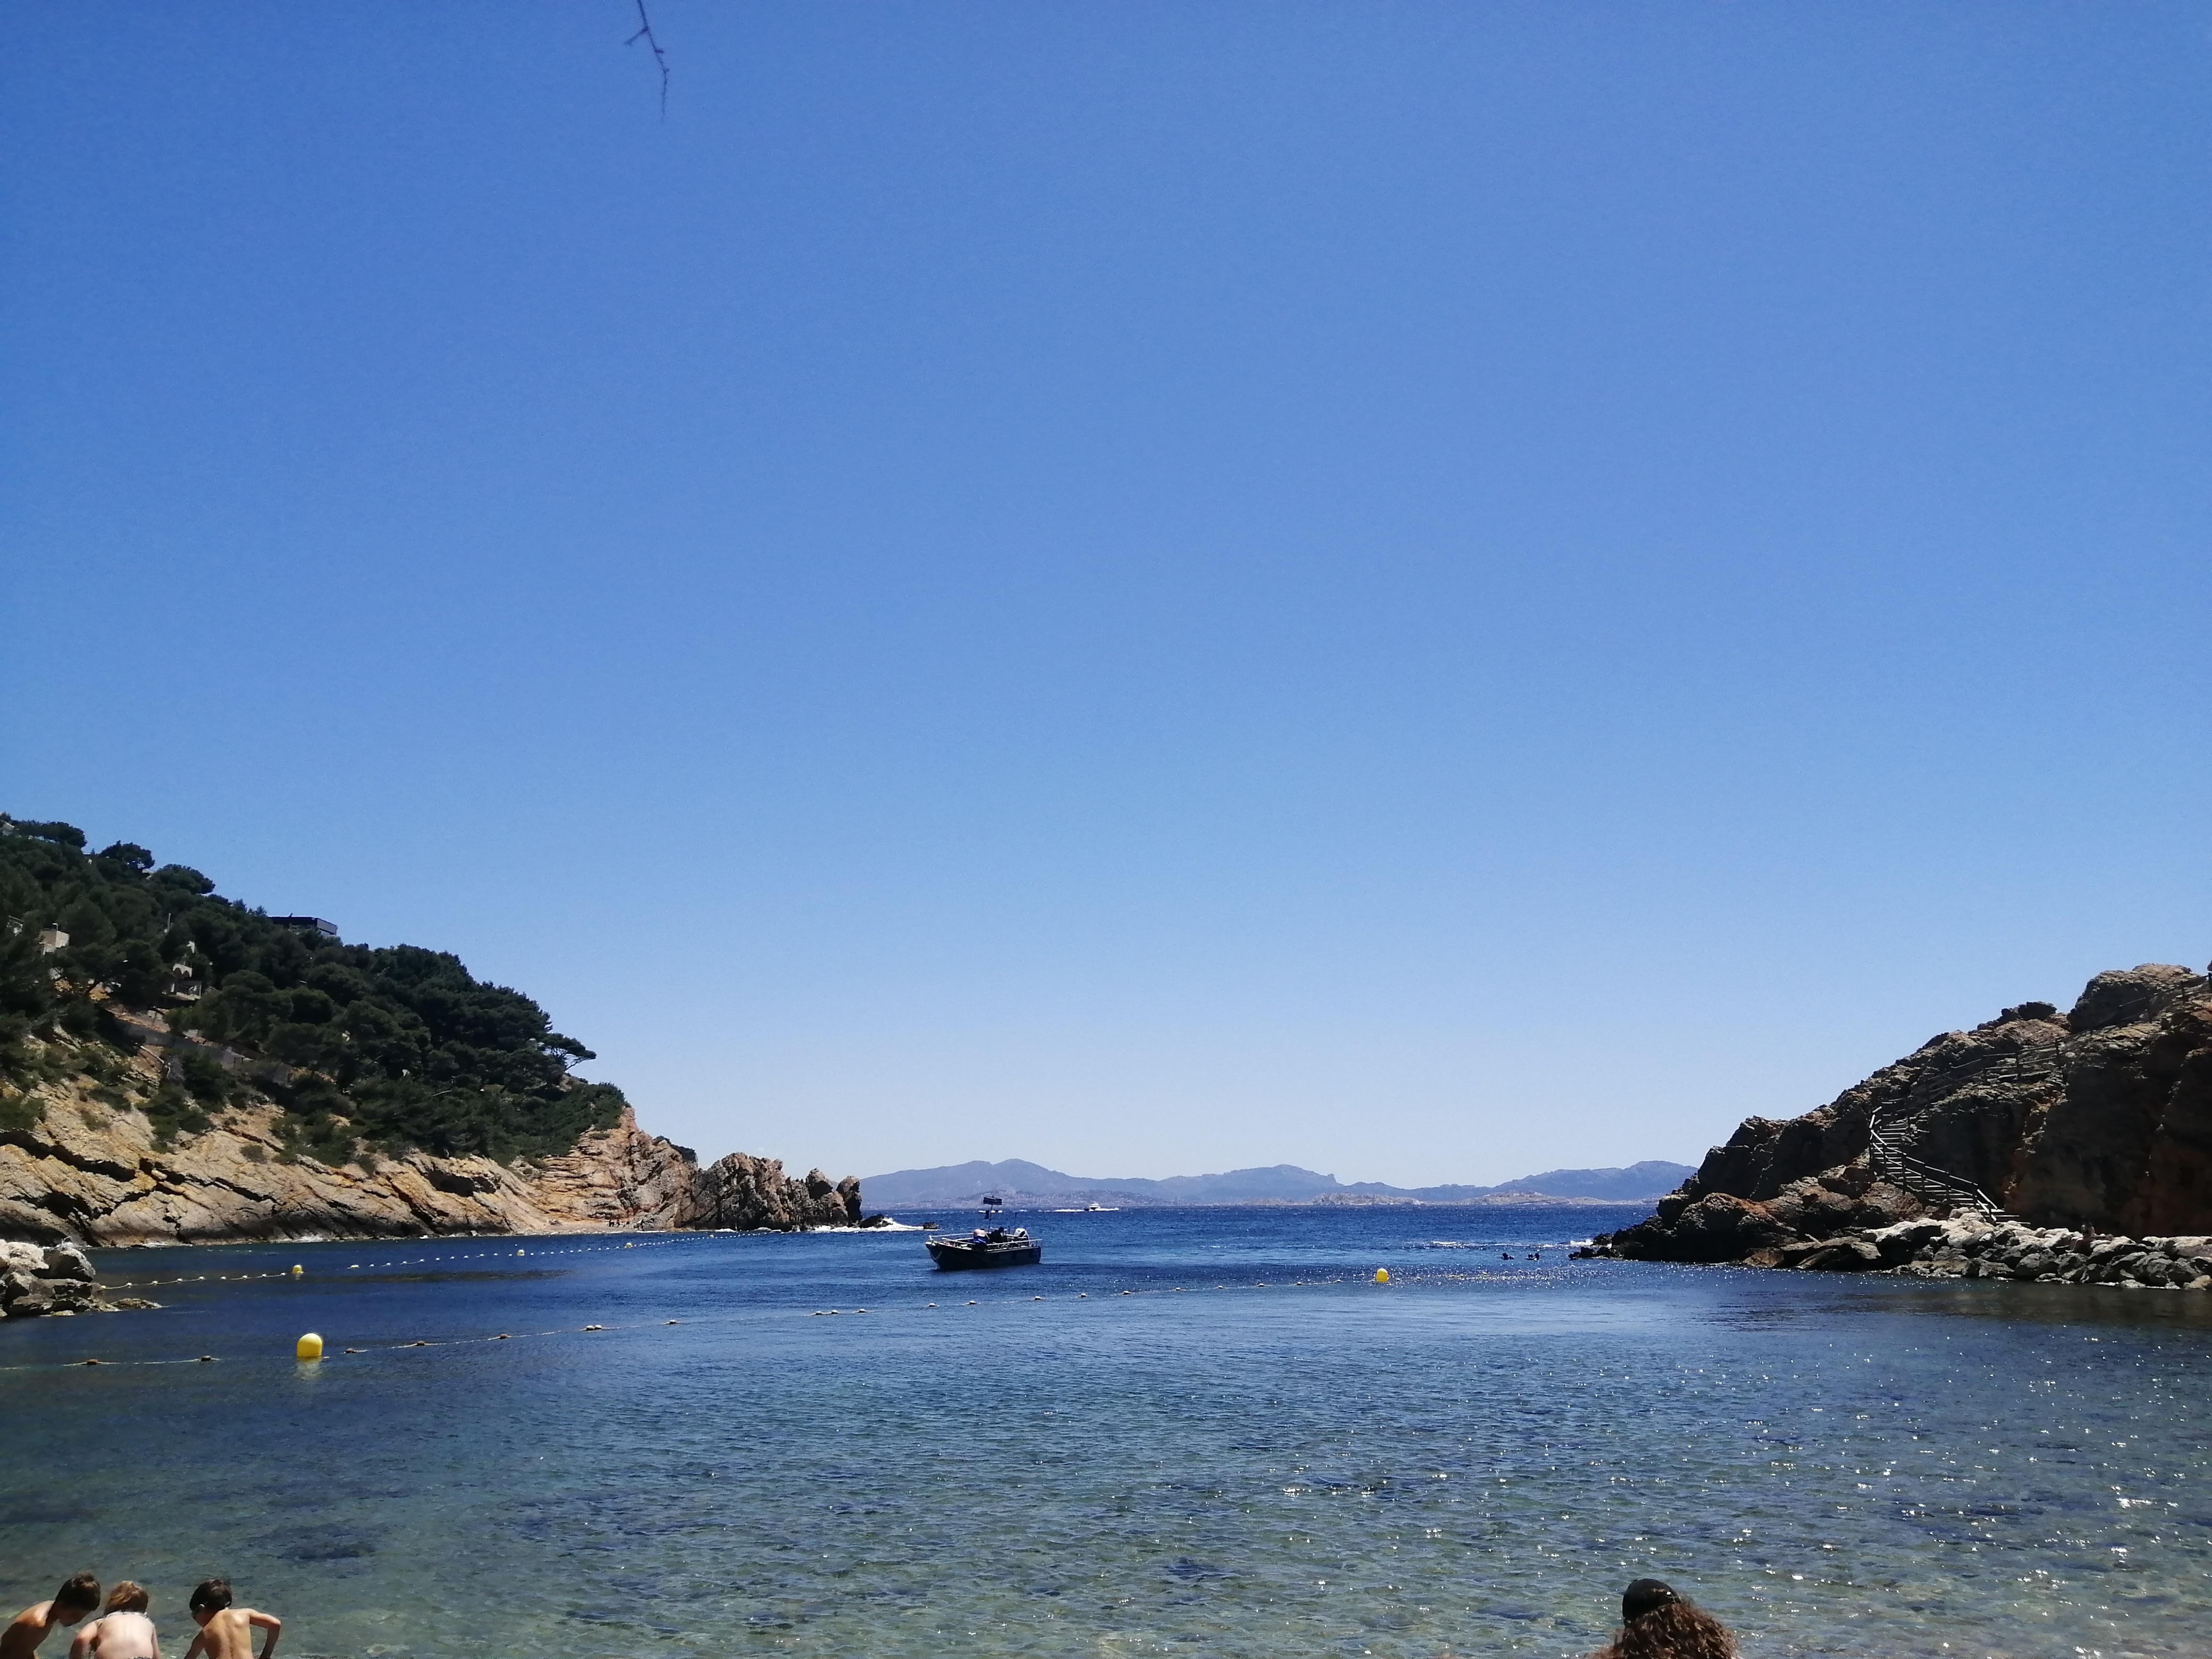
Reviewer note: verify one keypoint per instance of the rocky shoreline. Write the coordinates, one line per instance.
(2073, 1147)
(1973, 1247)
(85, 1165)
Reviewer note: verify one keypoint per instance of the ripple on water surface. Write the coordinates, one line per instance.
(1259, 1450)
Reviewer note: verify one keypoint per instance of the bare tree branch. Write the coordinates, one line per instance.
(659, 57)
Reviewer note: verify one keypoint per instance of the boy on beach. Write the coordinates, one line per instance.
(74, 1600)
(122, 1630)
(227, 1632)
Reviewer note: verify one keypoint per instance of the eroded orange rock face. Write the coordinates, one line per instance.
(89, 1173)
(621, 1177)
(2098, 1118)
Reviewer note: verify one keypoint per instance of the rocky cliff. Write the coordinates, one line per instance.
(80, 1161)
(2098, 1119)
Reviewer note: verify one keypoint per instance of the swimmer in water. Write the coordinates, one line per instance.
(1655, 1623)
(122, 1630)
(77, 1599)
(226, 1631)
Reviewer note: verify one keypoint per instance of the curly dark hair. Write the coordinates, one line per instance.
(1674, 1630)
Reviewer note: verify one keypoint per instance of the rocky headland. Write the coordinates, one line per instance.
(2072, 1146)
(90, 1167)
(179, 1067)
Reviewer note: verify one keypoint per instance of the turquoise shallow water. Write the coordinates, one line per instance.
(1472, 1460)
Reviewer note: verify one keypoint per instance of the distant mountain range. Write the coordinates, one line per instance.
(1020, 1183)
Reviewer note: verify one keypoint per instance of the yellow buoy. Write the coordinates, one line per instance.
(309, 1346)
(1381, 1275)
(297, 1270)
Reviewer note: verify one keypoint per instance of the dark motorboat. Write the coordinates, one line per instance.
(987, 1247)
(997, 1248)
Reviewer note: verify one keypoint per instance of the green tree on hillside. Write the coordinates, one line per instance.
(400, 1046)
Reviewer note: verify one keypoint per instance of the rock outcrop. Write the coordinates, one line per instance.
(618, 1178)
(89, 1168)
(740, 1191)
(2099, 1119)
(1974, 1247)
(55, 1278)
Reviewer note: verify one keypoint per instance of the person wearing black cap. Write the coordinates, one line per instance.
(1655, 1623)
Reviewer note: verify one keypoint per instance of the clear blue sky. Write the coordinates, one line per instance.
(1428, 591)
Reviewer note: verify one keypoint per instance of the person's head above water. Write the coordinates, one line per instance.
(1657, 1622)
(127, 1597)
(1645, 1593)
(77, 1597)
(212, 1596)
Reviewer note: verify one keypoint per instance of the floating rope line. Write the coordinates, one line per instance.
(375, 1347)
(411, 1261)
(501, 1254)
(1484, 1277)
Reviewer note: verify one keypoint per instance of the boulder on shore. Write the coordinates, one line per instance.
(55, 1278)
(1973, 1247)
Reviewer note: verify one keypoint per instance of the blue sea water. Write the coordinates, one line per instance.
(1199, 1430)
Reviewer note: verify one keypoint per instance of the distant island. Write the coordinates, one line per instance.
(1020, 1183)
(176, 1066)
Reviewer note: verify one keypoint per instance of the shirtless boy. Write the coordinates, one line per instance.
(72, 1601)
(122, 1631)
(227, 1632)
